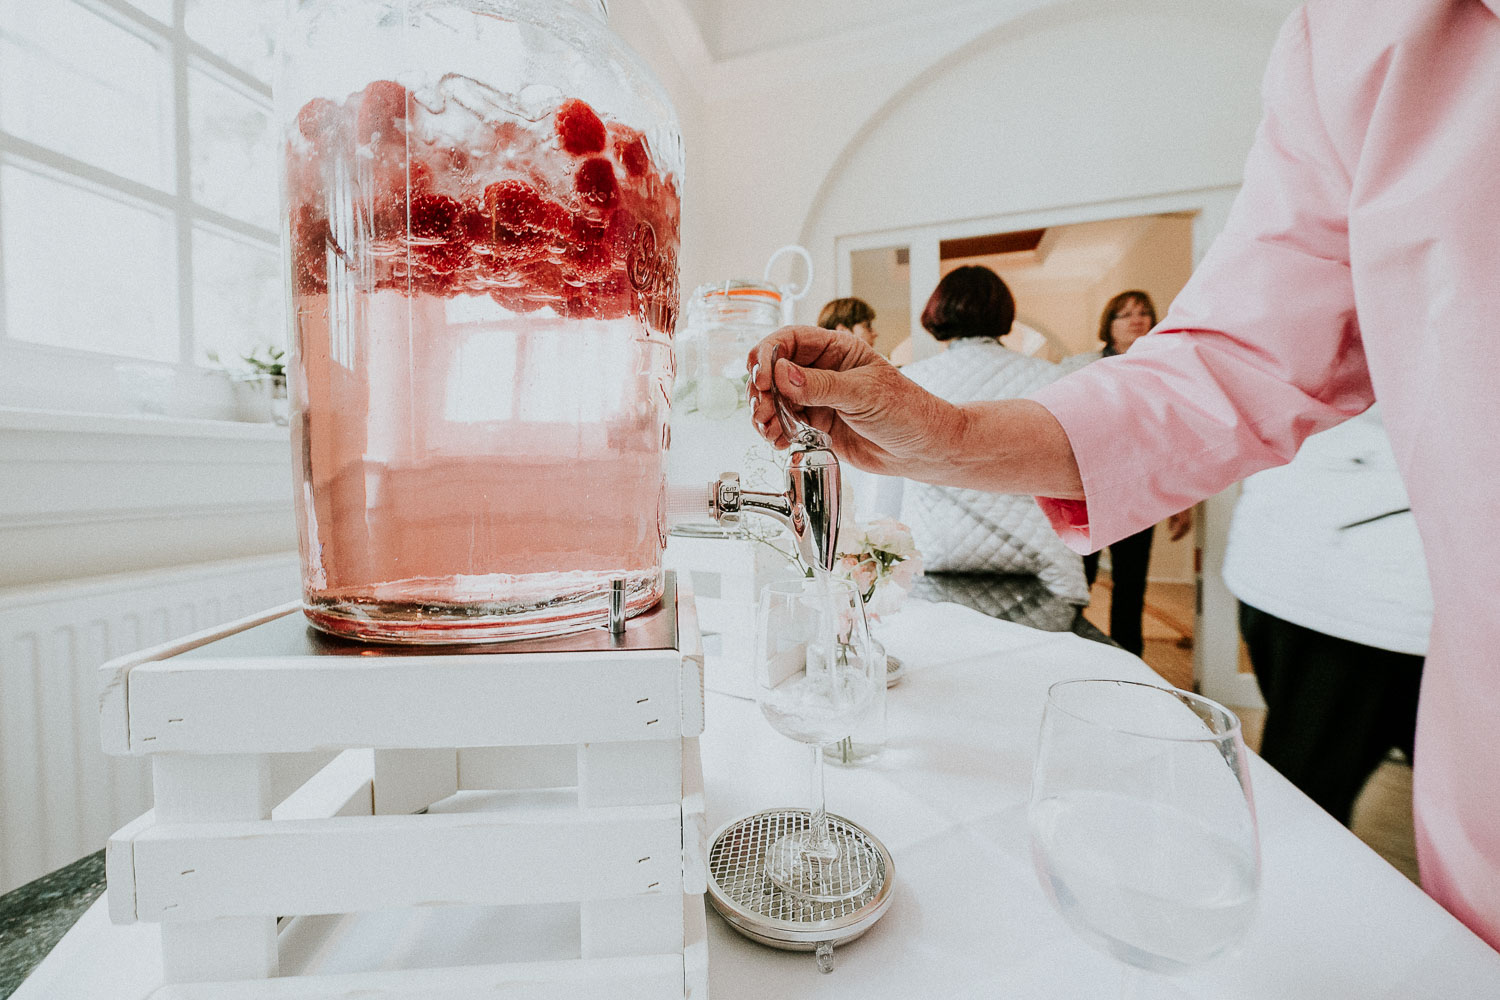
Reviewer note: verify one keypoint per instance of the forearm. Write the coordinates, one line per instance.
(1005, 446)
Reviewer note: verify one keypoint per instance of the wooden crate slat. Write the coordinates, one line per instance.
(195, 871)
(119, 867)
(640, 772)
(517, 767)
(651, 977)
(114, 714)
(343, 787)
(634, 925)
(410, 702)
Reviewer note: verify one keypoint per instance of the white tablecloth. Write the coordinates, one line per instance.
(969, 918)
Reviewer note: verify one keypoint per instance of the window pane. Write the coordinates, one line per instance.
(159, 9)
(241, 31)
(87, 270)
(233, 150)
(74, 82)
(237, 296)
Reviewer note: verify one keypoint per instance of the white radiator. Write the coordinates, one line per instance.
(60, 796)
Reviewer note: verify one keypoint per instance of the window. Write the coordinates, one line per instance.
(138, 191)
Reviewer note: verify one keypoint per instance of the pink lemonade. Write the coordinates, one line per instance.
(483, 310)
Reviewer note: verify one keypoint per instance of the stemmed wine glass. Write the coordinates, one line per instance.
(815, 681)
(1143, 825)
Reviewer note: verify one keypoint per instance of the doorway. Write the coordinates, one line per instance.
(1062, 267)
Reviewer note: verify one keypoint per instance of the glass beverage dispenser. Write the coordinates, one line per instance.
(482, 220)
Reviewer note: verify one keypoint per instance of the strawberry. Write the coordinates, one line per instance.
(579, 129)
(596, 184)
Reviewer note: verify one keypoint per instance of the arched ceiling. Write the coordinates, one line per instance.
(721, 31)
(733, 28)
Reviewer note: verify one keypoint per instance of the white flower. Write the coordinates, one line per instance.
(904, 574)
(888, 535)
(886, 600)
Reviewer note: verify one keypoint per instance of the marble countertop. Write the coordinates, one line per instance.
(34, 917)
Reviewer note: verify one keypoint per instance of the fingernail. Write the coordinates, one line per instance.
(794, 374)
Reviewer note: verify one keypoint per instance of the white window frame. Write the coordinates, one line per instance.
(46, 377)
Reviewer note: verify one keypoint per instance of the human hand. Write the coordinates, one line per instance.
(878, 419)
(1179, 524)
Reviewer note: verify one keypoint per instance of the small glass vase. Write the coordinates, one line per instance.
(868, 740)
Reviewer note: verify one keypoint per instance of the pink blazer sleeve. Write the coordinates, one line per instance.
(1261, 348)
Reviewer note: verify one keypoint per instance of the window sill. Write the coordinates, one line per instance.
(87, 494)
(16, 419)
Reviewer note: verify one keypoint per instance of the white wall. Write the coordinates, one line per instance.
(957, 113)
(1089, 103)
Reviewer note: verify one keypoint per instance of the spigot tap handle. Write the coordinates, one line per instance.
(801, 435)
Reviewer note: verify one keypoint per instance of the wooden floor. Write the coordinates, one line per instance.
(1382, 814)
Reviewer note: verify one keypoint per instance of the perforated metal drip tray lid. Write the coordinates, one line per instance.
(744, 896)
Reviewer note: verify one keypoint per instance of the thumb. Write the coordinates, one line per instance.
(814, 386)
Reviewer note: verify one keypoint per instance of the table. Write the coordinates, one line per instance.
(969, 919)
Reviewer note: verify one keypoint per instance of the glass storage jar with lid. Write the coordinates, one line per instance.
(711, 427)
(481, 203)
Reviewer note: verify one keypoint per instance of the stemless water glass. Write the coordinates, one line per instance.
(1143, 824)
(816, 681)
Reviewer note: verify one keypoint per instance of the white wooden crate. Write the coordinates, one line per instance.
(496, 784)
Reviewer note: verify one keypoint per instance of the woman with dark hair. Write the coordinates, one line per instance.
(970, 301)
(1126, 318)
(968, 531)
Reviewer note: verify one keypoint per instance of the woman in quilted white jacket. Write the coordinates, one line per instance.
(970, 531)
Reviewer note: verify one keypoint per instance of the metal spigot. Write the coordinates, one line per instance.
(810, 504)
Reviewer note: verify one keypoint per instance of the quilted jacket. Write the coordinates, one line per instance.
(969, 531)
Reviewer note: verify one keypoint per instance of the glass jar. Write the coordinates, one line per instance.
(711, 427)
(481, 205)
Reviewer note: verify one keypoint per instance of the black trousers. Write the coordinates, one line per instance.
(1334, 708)
(1129, 559)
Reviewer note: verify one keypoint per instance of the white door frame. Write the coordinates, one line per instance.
(1216, 621)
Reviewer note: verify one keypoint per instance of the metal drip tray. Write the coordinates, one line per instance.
(744, 895)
